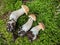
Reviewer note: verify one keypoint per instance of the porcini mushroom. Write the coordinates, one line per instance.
(22, 31)
(15, 15)
(32, 34)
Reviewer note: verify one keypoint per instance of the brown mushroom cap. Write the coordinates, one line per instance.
(33, 16)
(41, 25)
(26, 9)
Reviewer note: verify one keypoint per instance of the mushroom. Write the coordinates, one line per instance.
(15, 15)
(32, 34)
(23, 30)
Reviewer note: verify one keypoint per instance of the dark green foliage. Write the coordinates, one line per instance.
(45, 12)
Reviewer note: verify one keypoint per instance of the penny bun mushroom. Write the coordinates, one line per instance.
(42, 26)
(25, 8)
(33, 16)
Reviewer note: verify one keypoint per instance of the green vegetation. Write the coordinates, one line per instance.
(45, 12)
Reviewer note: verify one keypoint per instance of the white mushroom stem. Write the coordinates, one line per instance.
(35, 30)
(16, 14)
(27, 25)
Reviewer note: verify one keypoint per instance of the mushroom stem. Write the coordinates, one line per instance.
(38, 28)
(35, 30)
(16, 14)
(27, 25)
(32, 34)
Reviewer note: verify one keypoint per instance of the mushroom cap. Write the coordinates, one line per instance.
(42, 26)
(26, 9)
(33, 16)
